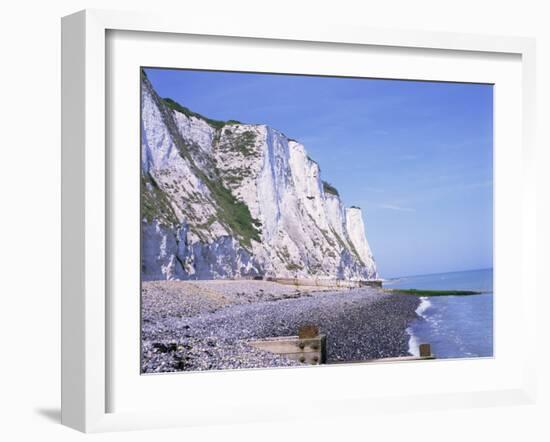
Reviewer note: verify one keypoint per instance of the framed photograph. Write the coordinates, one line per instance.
(248, 213)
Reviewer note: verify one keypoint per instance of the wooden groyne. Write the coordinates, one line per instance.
(310, 348)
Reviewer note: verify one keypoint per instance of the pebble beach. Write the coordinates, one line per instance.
(206, 325)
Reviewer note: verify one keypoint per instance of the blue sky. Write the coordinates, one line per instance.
(415, 156)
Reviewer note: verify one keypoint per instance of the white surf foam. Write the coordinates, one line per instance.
(413, 343)
(420, 311)
(424, 305)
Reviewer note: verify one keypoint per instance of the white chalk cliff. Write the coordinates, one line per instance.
(229, 200)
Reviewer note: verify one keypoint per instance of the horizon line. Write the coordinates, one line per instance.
(440, 273)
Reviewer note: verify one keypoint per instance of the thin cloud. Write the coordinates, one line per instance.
(398, 208)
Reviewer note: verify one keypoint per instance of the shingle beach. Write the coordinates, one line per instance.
(204, 325)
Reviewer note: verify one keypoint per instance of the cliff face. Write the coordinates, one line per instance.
(229, 200)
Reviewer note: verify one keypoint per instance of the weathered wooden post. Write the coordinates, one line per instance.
(425, 351)
(308, 331)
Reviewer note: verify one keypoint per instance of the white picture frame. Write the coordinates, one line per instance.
(86, 212)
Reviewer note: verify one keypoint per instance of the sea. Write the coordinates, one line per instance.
(454, 326)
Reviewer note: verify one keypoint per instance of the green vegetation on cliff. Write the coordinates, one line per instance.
(155, 203)
(231, 212)
(174, 105)
(329, 188)
(234, 213)
(241, 142)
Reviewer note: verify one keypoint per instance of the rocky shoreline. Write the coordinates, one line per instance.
(205, 325)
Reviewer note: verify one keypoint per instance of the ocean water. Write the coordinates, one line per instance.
(455, 326)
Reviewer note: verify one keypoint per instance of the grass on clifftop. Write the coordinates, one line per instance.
(329, 188)
(417, 292)
(174, 105)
